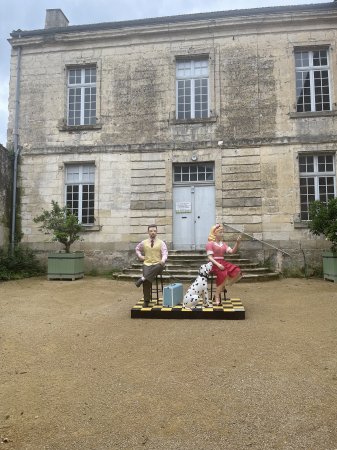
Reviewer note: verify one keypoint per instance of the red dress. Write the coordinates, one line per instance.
(218, 250)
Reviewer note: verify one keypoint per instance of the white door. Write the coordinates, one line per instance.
(193, 216)
(204, 216)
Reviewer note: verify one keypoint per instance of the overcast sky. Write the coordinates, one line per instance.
(30, 15)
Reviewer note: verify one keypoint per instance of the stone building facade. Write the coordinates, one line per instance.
(181, 121)
(5, 200)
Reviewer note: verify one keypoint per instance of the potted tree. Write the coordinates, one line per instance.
(323, 218)
(64, 228)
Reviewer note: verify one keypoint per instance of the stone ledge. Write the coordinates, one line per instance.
(88, 228)
(76, 128)
(200, 120)
(301, 225)
(313, 114)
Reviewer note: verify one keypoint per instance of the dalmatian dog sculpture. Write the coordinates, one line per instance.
(198, 288)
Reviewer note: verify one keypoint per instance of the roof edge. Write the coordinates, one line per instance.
(177, 19)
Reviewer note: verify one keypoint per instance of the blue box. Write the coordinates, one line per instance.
(173, 294)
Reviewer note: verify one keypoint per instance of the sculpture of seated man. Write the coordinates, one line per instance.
(153, 252)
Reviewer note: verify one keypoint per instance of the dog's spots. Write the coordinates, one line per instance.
(199, 287)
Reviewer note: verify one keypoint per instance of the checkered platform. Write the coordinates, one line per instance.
(231, 309)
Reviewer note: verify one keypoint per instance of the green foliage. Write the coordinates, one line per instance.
(324, 220)
(61, 224)
(303, 272)
(316, 271)
(93, 273)
(21, 264)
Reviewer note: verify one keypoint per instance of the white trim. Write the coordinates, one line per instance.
(82, 86)
(186, 70)
(311, 68)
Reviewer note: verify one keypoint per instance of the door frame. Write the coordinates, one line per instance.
(199, 183)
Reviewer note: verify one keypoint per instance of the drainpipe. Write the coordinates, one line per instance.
(16, 146)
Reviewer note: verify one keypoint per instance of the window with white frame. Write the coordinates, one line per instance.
(317, 180)
(192, 89)
(312, 81)
(81, 96)
(80, 191)
(186, 173)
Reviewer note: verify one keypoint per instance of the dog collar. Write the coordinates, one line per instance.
(203, 276)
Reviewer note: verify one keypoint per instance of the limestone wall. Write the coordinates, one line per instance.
(137, 139)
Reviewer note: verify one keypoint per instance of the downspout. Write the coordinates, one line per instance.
(16, 146)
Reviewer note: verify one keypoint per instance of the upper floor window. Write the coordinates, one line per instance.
(312, 81)
(192, 89)
(80, 192)
(317, 180)
(81, 96)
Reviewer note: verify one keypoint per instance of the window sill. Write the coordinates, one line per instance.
(192, 121)
(301, 224)
(79, 127)
(305, 115)
(87, 228)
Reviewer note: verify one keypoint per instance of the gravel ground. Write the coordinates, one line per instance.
(78, 373)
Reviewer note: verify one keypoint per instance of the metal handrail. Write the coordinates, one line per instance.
(255, 239)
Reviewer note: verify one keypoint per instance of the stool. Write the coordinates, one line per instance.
(212, 277)
(157, 287)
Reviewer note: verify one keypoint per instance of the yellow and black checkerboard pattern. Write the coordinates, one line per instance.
(231, 309)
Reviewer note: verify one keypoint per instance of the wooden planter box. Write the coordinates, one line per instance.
(65, 266)
(330, 266)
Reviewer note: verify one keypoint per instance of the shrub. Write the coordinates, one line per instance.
(61, 224)
(21, 264)
(323, 220)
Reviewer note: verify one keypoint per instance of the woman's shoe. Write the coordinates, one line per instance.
(188, 308)
(217, 301)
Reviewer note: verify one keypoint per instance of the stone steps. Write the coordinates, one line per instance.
(194, 266)
(247, 277)
(183, 266)
(189, 271)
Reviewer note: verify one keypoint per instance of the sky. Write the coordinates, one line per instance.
(30, 15)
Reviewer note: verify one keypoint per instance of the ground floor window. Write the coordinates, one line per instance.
(317, 180)
(80, 191)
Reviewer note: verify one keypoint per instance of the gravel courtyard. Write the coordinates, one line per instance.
(77, 373)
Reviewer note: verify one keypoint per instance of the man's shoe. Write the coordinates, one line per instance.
(139, 282)
(146, 305)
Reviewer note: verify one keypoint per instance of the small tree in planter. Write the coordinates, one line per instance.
(65, 229)
(323, 218)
